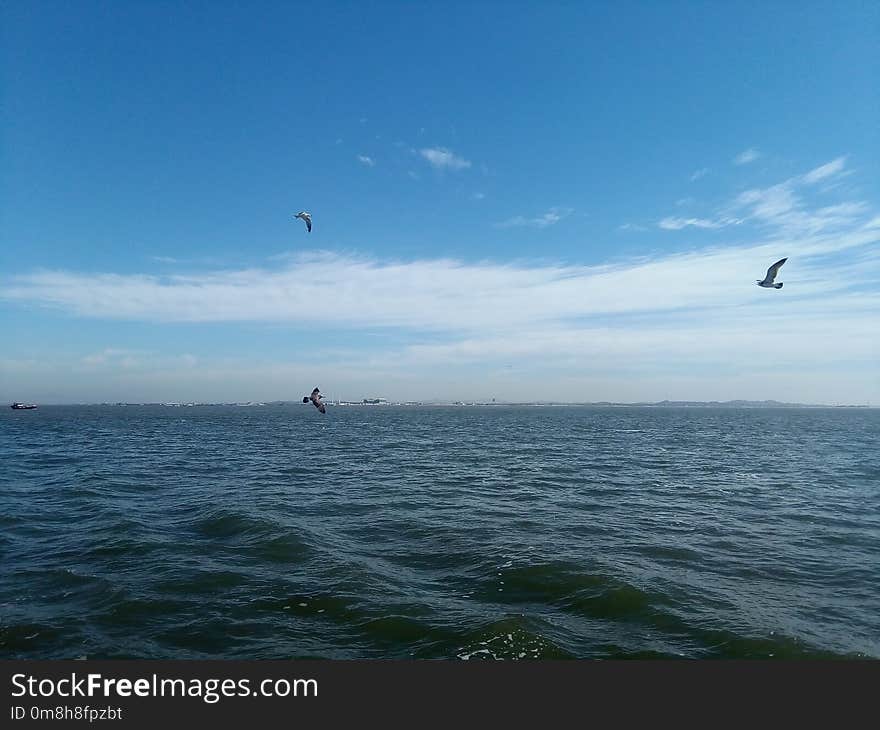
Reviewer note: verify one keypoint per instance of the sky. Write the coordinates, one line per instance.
(565, 201)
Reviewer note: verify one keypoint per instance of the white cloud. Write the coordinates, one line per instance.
(550, 218)
(115, 359)
(697, 174)
(780, 206)
(685, 336)
(769, 203)
(478, 196)
(444, 159)
(365, 160)
(783, 207)
(830, 169)
(444, 294)
(671, 223)
(631, 227)
(744, 158)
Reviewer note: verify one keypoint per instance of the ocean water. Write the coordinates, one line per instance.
(439, 532)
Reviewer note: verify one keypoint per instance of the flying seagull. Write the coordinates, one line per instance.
(307, 217)
(771, 275)
(315, 398)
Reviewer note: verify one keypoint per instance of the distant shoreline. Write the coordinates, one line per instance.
(734, 404)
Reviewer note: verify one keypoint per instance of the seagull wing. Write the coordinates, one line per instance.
(773, 270)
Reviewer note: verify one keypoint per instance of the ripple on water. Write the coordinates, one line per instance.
(565, 586)
(514, 638)
(287, 548)
(225, 525)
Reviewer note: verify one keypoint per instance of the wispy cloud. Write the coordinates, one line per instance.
(631, 227)
(444, 159)
(672, 223)
(783, 206)
(830, 169)
(747, 156)
(165, 259)
(116, 359)
(119, 357)
(697, 174)
(365, 160)
(478, 196)
(447, 294)
(550, 218)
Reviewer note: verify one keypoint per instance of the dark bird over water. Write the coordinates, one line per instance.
(771, 275)
(315, 398)
(307, 217)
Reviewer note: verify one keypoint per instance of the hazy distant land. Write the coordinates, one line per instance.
(372, 402)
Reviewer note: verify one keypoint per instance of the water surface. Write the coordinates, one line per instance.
(439, 532)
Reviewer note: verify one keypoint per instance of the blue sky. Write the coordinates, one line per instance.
(510, 200)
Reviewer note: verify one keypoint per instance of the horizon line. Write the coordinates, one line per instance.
(767, 403)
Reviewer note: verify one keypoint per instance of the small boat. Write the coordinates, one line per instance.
(23, 406)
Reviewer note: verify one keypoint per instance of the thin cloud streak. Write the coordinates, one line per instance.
(744, 158)
(781, 207)
(830, 169)
(550, 218)
(672, 223)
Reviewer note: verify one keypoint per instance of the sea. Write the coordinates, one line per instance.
(439, 532)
